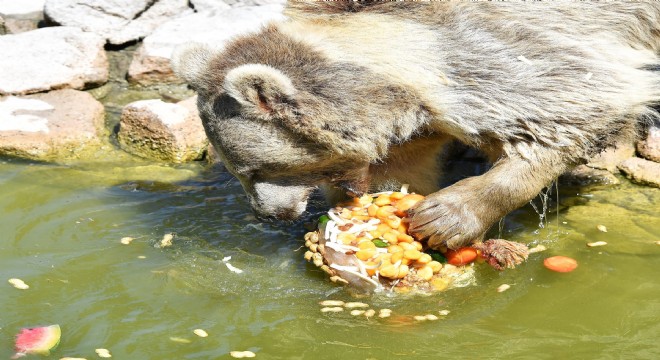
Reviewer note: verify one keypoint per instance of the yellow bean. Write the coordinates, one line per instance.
(397, 256)
(402, 271)
(366, 244)
(394, 248)
(397, 195)
(372, 210)
(412, 254)
(385, 211)
(391, 237)
(436, 266)
(388, 271)
(365, 254)
(392, 221)
(382, 200)
(425, 273)
(439, 283)
(424, 259)
(402, 237)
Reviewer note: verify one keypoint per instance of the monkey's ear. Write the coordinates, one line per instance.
(190, 61)
(262, 89)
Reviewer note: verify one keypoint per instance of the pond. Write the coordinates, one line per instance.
(61, 227)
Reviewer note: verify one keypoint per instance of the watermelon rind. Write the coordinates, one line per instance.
(38, 340)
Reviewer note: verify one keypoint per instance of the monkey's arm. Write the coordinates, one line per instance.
(460, 214)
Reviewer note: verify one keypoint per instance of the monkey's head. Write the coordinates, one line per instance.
(286, 119)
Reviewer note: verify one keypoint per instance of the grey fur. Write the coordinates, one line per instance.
(378, 89)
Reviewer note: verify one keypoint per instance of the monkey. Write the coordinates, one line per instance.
(360, 95)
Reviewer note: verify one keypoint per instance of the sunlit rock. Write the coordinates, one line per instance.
(163, 131)
(583, 175)
(612, 157)
(118, 21)
(650, 146)
(214, 5)
(20, 15)
(151, 62)
(51, 58)
(642, 171)
(61, 124)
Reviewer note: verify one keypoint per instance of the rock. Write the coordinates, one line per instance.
(16, 26)
(583, 175)
(163, 131)
(22, 9)
(118, 21)
(20, 16)
(641, 171)
(61, 124)
(51, 58)
(650, 147)
(151, 63)
(611, 157)
(214, 5)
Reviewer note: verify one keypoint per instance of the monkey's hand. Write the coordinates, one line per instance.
(503, 254)
(453, 217)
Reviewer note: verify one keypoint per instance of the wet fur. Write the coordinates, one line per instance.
(374, 90)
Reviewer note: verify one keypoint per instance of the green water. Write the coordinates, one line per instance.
(61, 227)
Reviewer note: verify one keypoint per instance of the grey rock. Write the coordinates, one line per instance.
(51, 58)
(641, 171)
(22, 9)
(583, 175)
(118, 21)
(61, 124)
(151, 63)
(612, 157)
(163, 131)
(649, 148)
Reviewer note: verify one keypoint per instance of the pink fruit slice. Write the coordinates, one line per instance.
(38, 340)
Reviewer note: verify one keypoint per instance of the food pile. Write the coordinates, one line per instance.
(365, 244)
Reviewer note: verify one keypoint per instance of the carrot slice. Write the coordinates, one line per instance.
(561, 264)
(461, 256)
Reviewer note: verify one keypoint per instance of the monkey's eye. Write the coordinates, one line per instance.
(226, 106)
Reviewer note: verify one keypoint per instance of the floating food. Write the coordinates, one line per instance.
(601, 228)
(365, 244)
(126, 240)
(561, 264)
(37, 340)
(503, 288)
(597, 243)
(166, 241)
(200, 333)
(19, 284)
(242, 354)
(104, 353)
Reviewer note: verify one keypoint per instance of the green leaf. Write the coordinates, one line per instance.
(437, 256)
(380, 243)
(323, 219)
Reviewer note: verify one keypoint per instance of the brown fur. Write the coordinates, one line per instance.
(364, 95)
